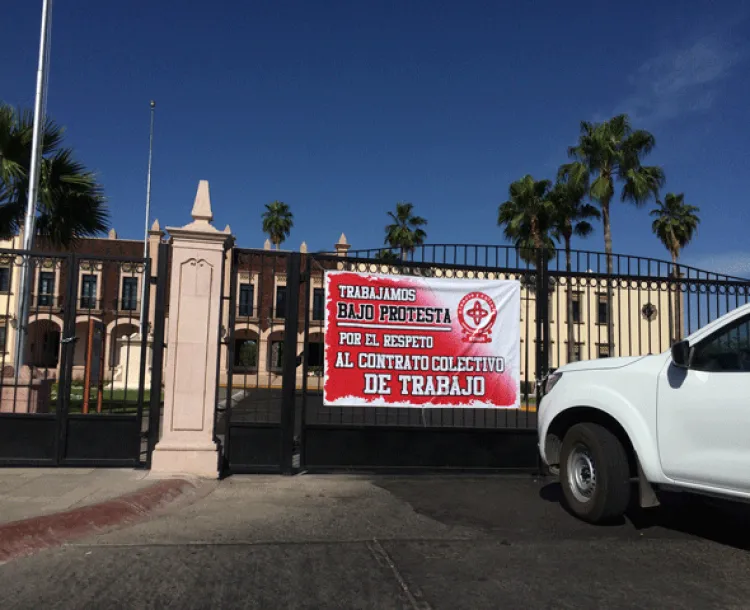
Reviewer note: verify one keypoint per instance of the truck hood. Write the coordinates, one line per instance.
(601, 364)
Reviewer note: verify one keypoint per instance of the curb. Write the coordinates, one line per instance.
(21, 538)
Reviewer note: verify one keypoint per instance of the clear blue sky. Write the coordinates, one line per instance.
(343, 108)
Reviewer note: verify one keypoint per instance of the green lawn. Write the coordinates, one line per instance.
(113, 401)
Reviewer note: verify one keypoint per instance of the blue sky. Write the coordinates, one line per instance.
(342, 108)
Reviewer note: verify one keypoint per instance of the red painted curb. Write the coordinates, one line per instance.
(20, 538)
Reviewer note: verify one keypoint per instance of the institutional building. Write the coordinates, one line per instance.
(109, 292)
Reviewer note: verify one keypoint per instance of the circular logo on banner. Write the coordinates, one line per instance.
(477, 314)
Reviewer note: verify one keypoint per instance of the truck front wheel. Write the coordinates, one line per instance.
(594, 473)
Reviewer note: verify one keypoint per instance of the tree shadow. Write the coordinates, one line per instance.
(720, 521)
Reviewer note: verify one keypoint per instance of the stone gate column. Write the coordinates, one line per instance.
(187, 442)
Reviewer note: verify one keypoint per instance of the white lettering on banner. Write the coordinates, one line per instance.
(343, 362)
(377, 384)
(350, 339)
(393, 362)
(380, 293)
(408, 341)
(441, 385)
(422, 315)
(468, 364)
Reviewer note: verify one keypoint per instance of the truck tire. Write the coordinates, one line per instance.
(594, 473)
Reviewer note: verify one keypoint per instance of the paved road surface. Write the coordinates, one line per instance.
(388, 542)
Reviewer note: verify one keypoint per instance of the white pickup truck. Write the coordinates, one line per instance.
(678, 421)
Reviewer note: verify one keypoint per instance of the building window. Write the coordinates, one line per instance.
(246, 354)
(46, 288)
(315, 356)
(247, 296)
(280, 302)
(576, 308)
(318, 304)
(602, 310)
(3, 337)
(577, 351)
(129, 293)
(604, 351)
(4, 279)
(276, 356)
(88, 291)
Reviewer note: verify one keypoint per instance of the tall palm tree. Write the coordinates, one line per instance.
(278, 221)
(71, 202)
(611, 152)
(527, 217)
(606, 153)
(675, 223)
(405, 232)
(570, 216)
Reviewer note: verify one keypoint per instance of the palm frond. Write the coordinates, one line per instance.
(405, 232)
(71, 202)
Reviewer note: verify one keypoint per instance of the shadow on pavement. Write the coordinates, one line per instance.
(716, 520)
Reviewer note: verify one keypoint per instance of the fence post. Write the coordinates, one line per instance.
(289, 374)
(187, 444)
(157, 354)
(542, 315)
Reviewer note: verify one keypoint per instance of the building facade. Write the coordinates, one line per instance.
(640, 319)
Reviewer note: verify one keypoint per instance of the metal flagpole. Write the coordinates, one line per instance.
(145, 282)
(40, 105)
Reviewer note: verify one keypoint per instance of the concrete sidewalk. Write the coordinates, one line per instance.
(34, 492)
(46, 508)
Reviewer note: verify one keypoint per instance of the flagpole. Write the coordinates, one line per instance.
(146, 280)
(40, 105)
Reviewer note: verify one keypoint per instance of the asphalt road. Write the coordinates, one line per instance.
(395, 542)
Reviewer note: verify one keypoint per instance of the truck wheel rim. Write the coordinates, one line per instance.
(581, 473)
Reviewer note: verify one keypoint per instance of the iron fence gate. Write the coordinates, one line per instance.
(84, 396)
(271, 416)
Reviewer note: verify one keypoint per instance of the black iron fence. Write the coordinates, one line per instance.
(271, 415)
(77, 385)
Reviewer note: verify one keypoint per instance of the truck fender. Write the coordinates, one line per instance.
(630, 419)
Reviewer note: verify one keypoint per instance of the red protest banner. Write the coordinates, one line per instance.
(421, 342)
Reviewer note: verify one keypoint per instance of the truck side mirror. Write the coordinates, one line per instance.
(681, 354)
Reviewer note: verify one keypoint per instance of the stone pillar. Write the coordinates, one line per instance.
(187, 443)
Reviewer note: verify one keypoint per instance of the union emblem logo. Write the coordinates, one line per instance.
(477, 314)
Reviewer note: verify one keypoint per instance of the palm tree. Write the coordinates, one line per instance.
(611, 152)
(71, 203)
(570, 216)
(675, 223)
(527, 217)
(405, 232)
(386, 256)
(278, 221)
